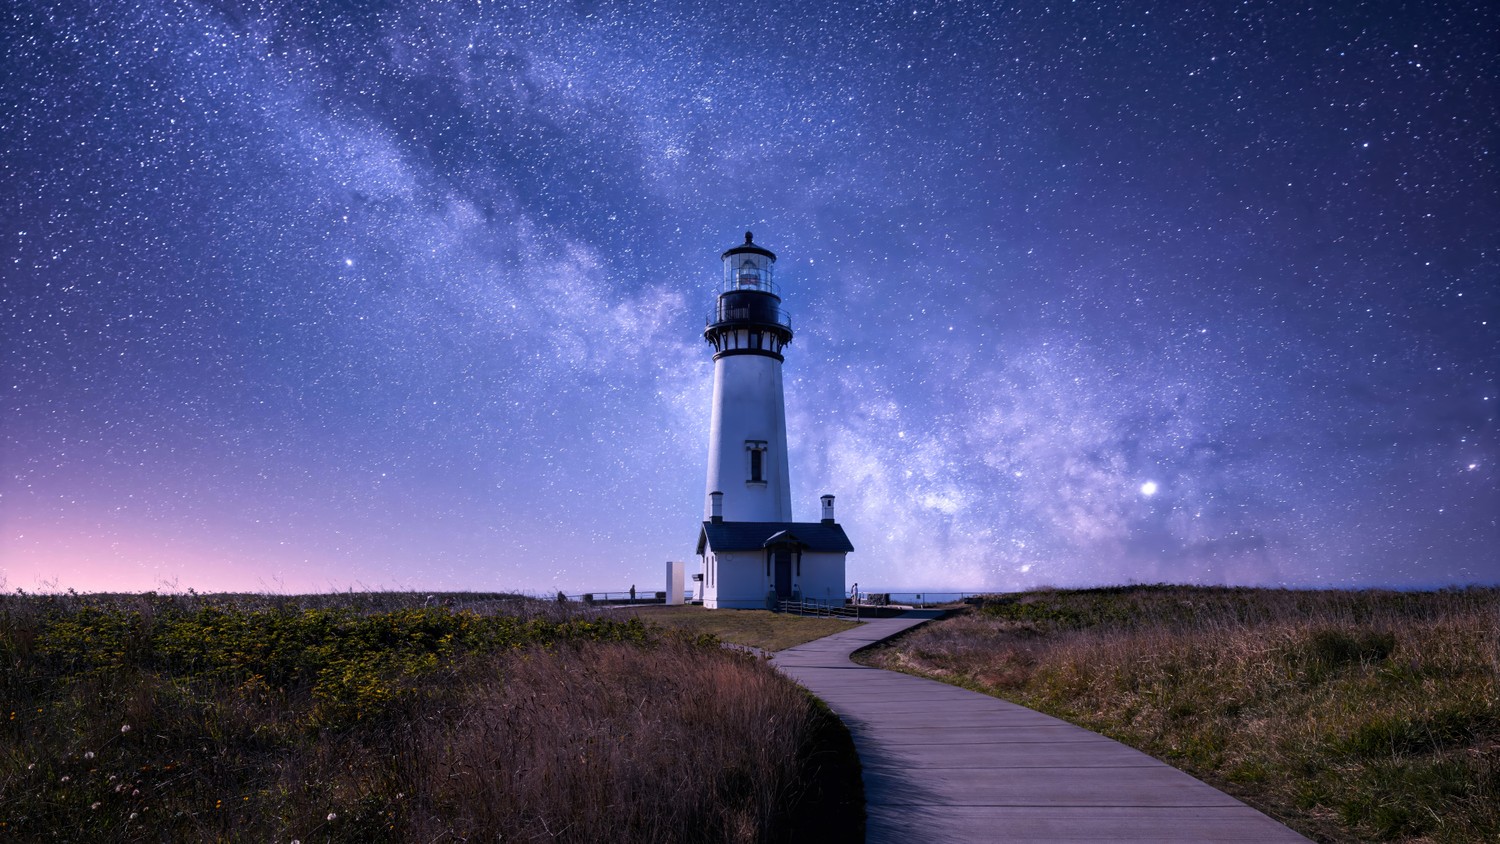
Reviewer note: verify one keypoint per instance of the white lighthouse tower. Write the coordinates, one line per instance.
(747, 433)
(754, 555)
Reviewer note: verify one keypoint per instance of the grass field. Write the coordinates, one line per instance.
(1351, 716)
(756, 628)
(390, 717)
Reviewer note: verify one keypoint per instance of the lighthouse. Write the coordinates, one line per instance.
(753, 554)
(748, 330)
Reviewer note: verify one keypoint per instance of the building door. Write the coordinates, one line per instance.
(783, 574)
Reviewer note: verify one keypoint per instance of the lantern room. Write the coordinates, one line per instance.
(749, 267)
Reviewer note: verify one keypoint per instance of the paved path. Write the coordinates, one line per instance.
(946, 764)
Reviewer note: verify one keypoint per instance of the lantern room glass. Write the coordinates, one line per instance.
(749, 272)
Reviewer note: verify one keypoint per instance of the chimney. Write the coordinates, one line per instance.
(717, 507)
(827, 509)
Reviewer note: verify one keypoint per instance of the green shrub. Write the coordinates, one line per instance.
(385, 718)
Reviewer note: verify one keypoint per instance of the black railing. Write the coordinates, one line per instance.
(641, 596)
(763, 315)
(918, 600)
(821, 609)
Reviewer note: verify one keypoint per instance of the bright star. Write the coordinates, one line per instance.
(1148, 488)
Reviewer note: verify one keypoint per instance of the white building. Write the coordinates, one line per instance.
(752, 552)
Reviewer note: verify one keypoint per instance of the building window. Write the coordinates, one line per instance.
(756, 451)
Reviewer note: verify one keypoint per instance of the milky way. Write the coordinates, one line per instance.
(309, 296)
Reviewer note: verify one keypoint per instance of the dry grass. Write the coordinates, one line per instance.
(1352, 716)
(762, 629)
(151, 718)
(574, 749)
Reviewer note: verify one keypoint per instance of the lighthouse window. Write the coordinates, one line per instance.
(756, 451)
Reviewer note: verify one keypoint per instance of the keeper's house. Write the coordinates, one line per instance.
(755, 565)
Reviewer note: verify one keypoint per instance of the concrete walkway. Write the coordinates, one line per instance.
(946, 764)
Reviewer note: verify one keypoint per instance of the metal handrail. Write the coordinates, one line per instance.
(641, 596)
(727, 314)
(821, 609)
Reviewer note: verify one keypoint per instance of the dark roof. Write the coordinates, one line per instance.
(745, 536)
(748, 247)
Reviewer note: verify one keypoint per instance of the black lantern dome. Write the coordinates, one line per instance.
(749, 247)
(748, 319)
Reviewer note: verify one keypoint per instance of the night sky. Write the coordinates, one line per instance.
(310, 297)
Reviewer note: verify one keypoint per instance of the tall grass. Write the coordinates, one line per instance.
(1353, 716)
(394, 718)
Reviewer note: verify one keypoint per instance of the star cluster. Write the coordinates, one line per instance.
(410, 295)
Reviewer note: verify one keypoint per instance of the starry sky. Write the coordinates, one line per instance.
(316, 296)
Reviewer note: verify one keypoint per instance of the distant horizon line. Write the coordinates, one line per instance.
(885, 590)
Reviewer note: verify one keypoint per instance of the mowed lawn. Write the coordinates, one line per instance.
(755, 628)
